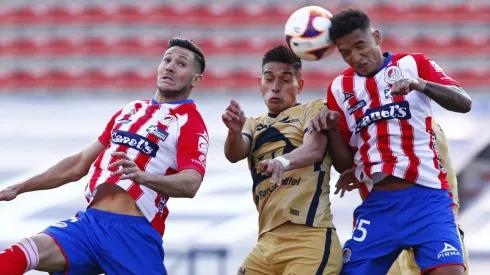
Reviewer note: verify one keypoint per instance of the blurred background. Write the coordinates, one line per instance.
(67, 66)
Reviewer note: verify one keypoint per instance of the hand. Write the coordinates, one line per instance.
(234, 117)
(8, 193)
(128, 169)
(324, 120)
(404, 86)
(273, 168)
(347, 182)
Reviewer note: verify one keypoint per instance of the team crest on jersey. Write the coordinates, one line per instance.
(168, 120)
(347, 254)
(393, 74)
(397, 110)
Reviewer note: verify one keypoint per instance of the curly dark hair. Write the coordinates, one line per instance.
(282, 54)
(348, 20)
(191, 46)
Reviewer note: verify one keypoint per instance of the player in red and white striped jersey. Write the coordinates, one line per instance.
(383, 101)
(150, 150)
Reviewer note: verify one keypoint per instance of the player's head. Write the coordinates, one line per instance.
(280, 82)
(357, 41)
(181, 68)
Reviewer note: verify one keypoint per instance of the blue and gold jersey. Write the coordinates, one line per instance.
(303, 197)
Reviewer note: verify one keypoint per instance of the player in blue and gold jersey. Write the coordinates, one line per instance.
(296, 232)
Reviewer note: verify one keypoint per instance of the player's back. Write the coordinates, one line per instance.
(303, 197)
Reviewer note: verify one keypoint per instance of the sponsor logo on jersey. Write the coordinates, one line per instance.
(158, 132)
(393, 74)
(134, 141)
(347, 96)
(287, 120)
(261, 126)
(161, 204)
(397, 110)
(436, 67)
(448, 251)
(284, 182)
(356, 107)
(123, 121)
(242, 271)
(203, 143)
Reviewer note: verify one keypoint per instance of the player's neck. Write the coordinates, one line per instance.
(160, 97)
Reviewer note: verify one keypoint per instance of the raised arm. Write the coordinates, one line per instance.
(237, 144)
(70, 169)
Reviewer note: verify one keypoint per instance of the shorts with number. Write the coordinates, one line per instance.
(389, 221)
(96, 242)
(405, 263)
(295, 249)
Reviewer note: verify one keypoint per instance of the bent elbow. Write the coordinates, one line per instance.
(192, 189)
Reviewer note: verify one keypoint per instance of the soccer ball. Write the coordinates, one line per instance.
(307, 33)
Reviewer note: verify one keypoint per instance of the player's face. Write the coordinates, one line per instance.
(280, 85)
(177, 72)
(361, 50)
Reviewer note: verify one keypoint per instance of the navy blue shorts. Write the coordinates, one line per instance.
(389, 221)
(96, 242)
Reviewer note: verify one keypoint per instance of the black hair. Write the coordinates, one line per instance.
(191, 46)
(282, 54)
(348, 20)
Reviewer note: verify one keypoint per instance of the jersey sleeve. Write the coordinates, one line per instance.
(334, 106)
(311, 109)
(105, 137)
(192, 147)
(248, 129)
(430, 71)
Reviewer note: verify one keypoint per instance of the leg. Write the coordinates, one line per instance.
(38, 252)
(256, 263)
(374, 244)
(315, 251)
(436, 240)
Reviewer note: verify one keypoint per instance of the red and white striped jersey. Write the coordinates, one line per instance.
(162, 138)
(390, 135)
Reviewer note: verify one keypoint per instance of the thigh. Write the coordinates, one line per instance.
(435, 236)
(69, 241)
(132, 249)
(374, 246)
(257, 261)
(315, 251)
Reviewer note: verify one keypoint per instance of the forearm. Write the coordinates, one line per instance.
(180, 185)
(236, 148)
(342, 157)
(307, 154)
(62, 173)
(452, 98)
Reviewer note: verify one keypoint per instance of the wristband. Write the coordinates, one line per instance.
(284, 161)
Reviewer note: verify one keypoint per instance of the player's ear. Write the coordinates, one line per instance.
(197, 79)
(377, 37)
(301, 83)
(259, 81)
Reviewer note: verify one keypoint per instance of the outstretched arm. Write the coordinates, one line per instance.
(67, 170)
